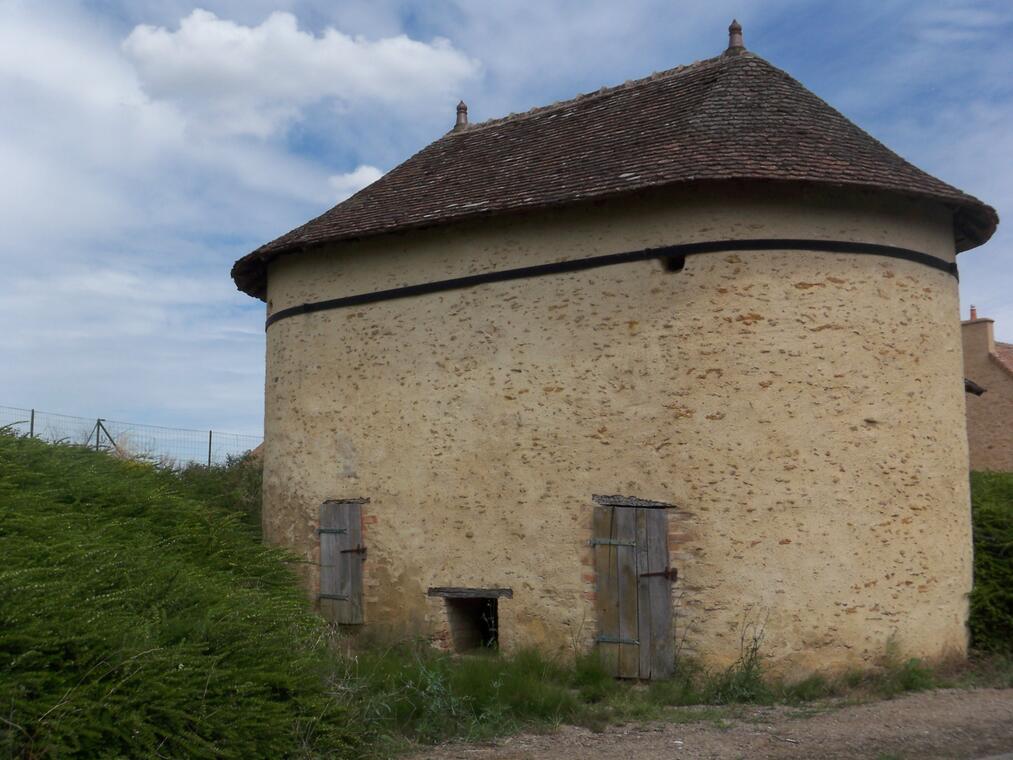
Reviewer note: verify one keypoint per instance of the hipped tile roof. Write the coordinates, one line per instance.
(1004, 355)
(734, 117)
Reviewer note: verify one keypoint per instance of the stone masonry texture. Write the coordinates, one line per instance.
(804, 410)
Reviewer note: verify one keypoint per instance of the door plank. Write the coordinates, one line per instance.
(341, 569)
(662, 654)
(607, 588)
(355, 557)
(330, 573)
(625, 531)
(644, 630)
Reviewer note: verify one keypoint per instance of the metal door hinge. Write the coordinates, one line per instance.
(339, 597)
(604, 639)
(610, 542)
(357, 550)
(340, 531)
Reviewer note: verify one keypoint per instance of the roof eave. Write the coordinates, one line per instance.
(974, 223)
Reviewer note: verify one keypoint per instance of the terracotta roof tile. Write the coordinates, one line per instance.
(731, 117)
(1004, 355)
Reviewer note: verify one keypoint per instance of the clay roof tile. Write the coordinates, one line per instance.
(730, 117)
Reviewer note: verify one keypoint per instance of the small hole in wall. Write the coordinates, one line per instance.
(474, 624)
(674, 263)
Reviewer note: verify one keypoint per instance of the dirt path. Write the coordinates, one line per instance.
(938, 724)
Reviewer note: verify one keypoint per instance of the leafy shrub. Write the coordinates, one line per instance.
(135, 621)
(235, 486)
(991, 619)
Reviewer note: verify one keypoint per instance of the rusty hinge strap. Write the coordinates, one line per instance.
(356, 550)
(610, 542)
(671, 573)
(605, 639)
(339, 597)
(332, 530)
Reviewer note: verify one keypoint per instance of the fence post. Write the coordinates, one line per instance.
(209, 448)
(98, 432)
(31, 425)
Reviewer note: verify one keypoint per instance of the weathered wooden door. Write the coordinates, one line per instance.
(634, 600)
(341, 556)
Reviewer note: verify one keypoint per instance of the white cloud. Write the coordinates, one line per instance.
(121, 219)
(146, 145)
(256, 80)
(348, 184)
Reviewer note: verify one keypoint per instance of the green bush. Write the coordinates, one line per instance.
(234, 486)
(135, 621)
(991, 620)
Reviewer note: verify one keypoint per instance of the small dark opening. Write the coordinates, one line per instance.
(474, 623)
(674, 263)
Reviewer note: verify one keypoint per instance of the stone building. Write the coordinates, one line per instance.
(636, 370)
(988, 363)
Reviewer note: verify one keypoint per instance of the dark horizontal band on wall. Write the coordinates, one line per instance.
(611, 259)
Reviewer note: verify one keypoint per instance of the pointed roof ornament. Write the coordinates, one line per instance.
(735, 45)
(462, 117)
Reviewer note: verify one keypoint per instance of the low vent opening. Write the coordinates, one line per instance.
(474, 623)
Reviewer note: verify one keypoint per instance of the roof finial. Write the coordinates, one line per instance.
(462, 117)
(735, 38)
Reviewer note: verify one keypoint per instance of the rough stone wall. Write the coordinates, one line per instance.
(804, 409)
(989, 416)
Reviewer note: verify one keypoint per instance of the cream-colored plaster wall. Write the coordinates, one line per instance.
(989, 416)
(805, 411)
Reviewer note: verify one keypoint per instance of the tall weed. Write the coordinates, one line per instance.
(135, 621)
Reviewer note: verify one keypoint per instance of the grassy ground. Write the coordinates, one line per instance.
(140, 616)
(135, 621)
(408, 694)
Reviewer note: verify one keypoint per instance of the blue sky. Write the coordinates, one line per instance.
(147, 144)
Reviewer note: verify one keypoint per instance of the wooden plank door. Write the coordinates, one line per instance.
(341, 556)
(634, 604)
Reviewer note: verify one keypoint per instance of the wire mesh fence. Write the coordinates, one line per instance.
(175, 447)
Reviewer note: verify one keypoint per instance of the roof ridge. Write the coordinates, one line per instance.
(601, 92)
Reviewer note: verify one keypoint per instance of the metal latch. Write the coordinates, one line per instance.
(671, 573)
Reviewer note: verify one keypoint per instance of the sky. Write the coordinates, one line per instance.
(145, 145)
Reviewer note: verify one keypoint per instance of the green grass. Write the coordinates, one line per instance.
(140, 616)
(234, 486)
(409, 694)
(135, 621)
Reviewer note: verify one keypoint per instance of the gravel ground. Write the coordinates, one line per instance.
(936, 724)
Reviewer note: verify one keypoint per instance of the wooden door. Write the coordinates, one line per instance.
(634, 601)
(341, 556)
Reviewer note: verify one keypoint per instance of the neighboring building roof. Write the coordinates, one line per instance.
(1004, 355)
(732, 117)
